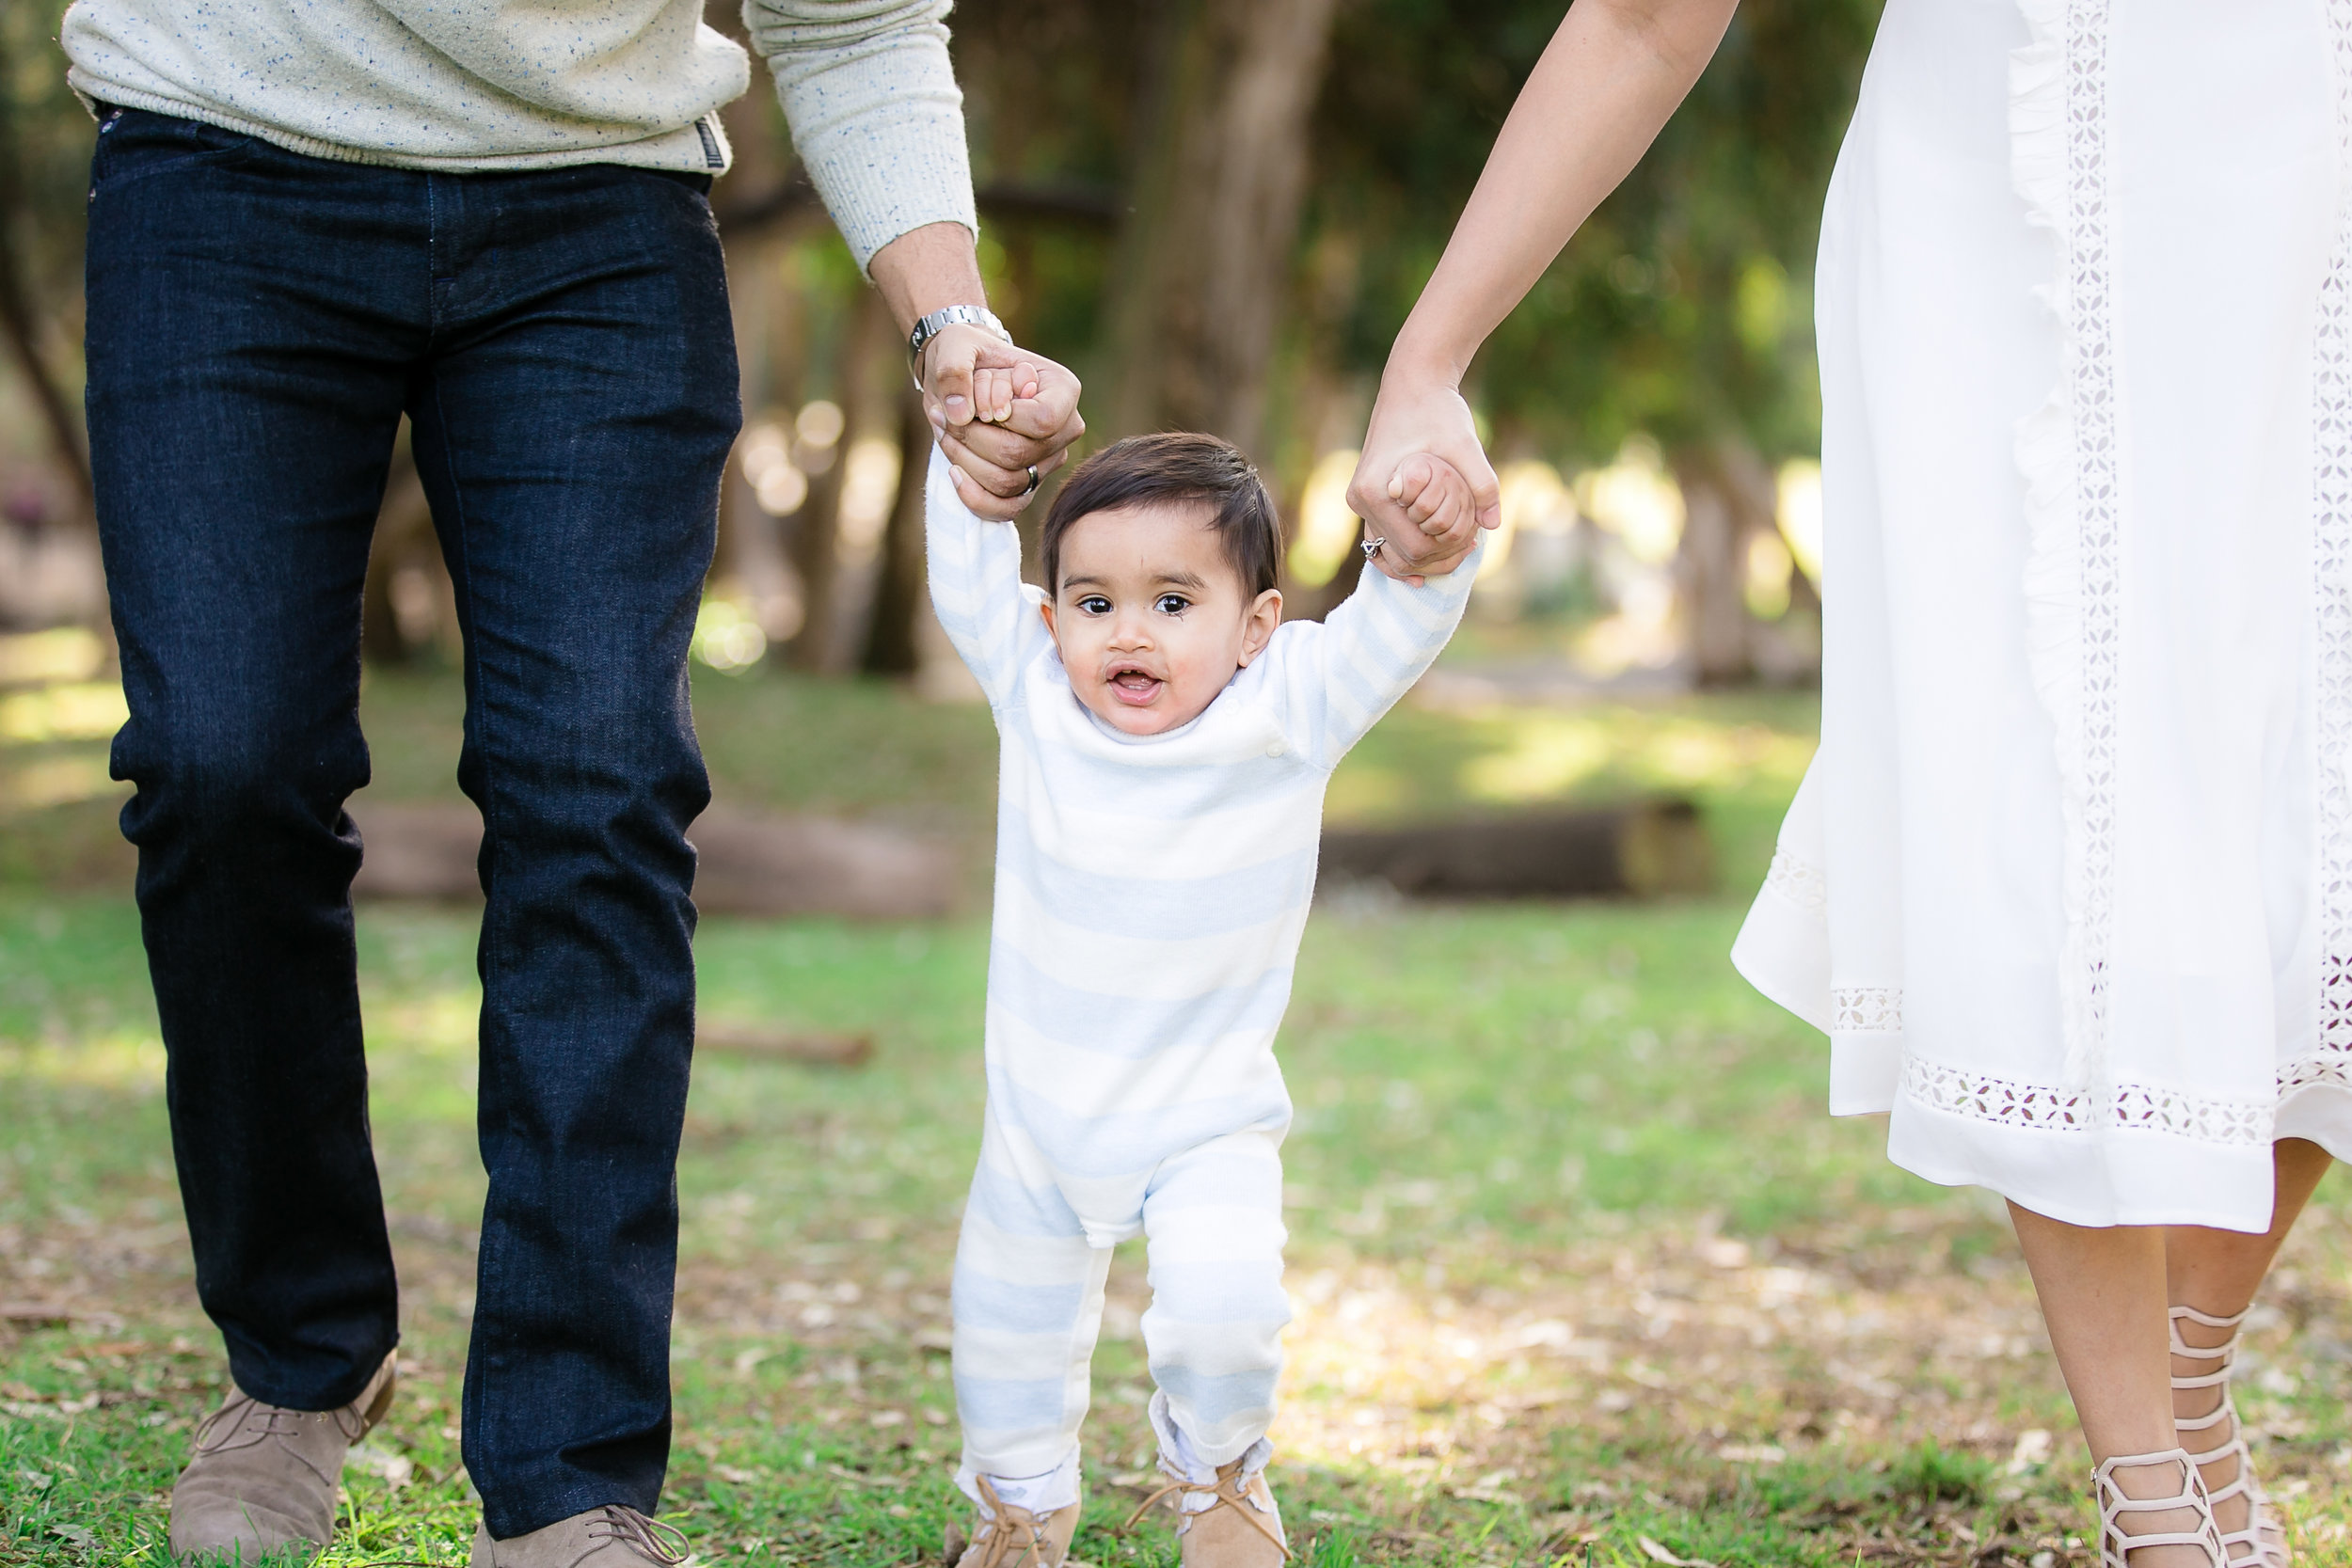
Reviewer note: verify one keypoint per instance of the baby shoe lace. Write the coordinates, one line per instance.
(1182, 1487)
(1011, 1538)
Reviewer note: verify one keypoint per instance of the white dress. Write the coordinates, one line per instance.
(2069, 884)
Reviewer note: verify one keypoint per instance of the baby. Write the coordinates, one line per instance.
(1165, 743)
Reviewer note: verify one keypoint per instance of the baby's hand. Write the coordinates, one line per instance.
(1434, 495)
(995, 391)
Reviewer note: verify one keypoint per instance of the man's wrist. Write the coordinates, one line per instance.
(926, 269)
(929, 326)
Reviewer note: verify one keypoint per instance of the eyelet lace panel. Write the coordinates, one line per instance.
(2052, 1108)
(2331, 471)
(1867, 1010)
(1800, 884)
(2068, 453)
(2323, 1069)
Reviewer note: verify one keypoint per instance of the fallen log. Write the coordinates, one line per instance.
(1644, 850)
(817, 1047)
(748, 863)
(26, 1314)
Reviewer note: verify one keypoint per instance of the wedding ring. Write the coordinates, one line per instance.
(1372, 548)
(1033, 481)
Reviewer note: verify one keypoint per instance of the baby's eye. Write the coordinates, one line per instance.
(1094, 604)
(1171, 603)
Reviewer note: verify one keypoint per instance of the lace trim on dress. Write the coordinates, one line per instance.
(2328, 1069)
(2068, 453)
(1867, 1010)
(2050, 1108)
(2332, 474)
(1800, 884)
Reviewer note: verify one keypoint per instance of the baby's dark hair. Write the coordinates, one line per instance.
(1179, 466)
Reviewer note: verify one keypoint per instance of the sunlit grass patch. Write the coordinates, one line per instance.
(1577, 1262)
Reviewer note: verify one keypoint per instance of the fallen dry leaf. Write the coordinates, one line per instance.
(1656, 1553)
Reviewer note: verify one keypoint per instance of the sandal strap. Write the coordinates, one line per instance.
(2116, 1543)
(2264, 1541)
(2261, 1544)
(2224, 1411)
(2225, 1352)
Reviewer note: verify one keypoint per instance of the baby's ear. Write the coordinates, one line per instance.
(1258, 627)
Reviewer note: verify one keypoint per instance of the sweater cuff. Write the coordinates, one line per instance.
(880, 126)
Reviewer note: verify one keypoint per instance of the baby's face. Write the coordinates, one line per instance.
(1151, 618)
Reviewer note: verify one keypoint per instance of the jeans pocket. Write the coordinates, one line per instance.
(133, 144)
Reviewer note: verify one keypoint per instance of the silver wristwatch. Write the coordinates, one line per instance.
(932, 324)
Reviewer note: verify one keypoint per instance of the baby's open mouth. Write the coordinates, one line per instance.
(1134, 687)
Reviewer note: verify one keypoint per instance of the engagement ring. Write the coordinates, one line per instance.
(1372, 548)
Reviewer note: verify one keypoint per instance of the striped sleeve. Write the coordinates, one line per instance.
(1374, 647)
(988, 612)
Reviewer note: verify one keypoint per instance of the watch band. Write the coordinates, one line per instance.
(932, 324)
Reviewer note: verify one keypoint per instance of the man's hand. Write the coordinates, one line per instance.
(1423, 483)
(1000, 412)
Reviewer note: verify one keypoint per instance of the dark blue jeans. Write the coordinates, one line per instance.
(258, 321)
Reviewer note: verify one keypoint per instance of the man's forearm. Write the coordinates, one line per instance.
(876, 115)
(928, 269)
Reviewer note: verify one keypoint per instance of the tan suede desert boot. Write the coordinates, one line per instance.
(1241, 1527)
(1010, 1537)
(614, 1536)
(261, 1482)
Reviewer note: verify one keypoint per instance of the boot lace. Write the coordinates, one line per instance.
(1182, 1487)
(1007, 1541)
(648, 1538)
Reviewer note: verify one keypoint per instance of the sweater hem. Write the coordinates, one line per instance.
(682, 150)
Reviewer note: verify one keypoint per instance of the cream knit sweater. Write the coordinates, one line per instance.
(474, 86)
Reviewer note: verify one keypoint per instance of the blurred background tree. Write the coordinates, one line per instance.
(1219, 211)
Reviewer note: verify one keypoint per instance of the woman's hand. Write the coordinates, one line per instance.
(1613, 71)
(1421, 416)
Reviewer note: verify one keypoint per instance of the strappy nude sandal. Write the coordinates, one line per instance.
(2262, 1543)
(2115, 1543)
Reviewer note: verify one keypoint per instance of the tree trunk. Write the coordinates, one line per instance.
(817, 535)
(405, 543)
(1204, 257)
(18, 316)
(891, 648)
(1727, 497)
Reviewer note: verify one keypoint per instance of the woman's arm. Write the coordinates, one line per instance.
(1607, 83)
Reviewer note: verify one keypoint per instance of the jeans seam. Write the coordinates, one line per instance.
(493, 943)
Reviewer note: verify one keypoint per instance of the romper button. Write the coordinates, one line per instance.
(1275, 748)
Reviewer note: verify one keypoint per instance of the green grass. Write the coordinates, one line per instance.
(1578, 1260)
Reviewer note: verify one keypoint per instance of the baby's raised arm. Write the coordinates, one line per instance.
(1370, 650)
(986, 610)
